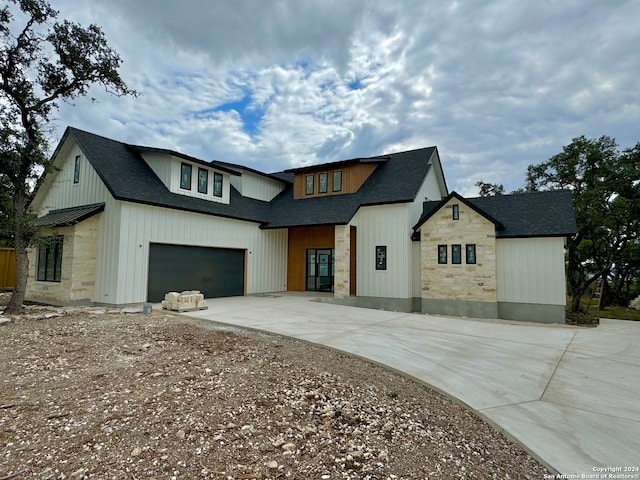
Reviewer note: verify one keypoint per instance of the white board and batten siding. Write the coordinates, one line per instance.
(168, 169)
(266, 258)
(256, 186)
(531, 270)
(383, 225)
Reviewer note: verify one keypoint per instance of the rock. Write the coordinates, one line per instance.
(181, 434)
(272, 464)
(289, 447)
(136, 451)
(278, 442)
(77, 475)
(4, 320)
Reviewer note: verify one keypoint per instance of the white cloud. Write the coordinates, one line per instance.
(495, 85)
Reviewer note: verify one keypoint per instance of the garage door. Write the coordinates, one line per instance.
(216, 272)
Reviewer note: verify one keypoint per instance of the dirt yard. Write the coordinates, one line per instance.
(91, 393)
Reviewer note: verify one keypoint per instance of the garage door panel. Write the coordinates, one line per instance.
(216, 272)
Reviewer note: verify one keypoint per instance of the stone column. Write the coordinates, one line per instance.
(342, 261)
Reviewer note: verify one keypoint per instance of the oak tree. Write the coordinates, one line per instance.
(43, 61)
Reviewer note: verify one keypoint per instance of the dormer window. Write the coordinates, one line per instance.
(322, 182)
(337, 181)
(203, 180)
(185, 176)
(309, 188)
(217, 185)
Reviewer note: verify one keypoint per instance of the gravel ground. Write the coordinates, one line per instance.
(92, 393)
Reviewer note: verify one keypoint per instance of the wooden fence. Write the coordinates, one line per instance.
(7, 268)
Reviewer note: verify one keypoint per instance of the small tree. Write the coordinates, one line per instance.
(42, 61)
(489, 189)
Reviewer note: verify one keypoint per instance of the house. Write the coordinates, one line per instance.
(124, 224)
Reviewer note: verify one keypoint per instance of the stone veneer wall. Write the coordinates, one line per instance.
(79, 259)
(459, 289)
(342, 259)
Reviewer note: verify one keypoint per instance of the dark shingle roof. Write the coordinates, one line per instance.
(128, 177)
(537, 214)
(68, 216)
(395, 180)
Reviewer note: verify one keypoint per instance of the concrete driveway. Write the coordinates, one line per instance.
(570, 395)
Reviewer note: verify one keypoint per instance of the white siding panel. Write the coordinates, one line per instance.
(430, 190)
(256, 186)
(531, 270)
(384, 225)
(59, 191)
(161, 165)
(142, 225)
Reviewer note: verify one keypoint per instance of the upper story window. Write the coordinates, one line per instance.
(456, 212)
(185, 176)
(309, 188)
(50, 259)
(322, 182)
(203, 180)
(337, 181)
(76, 170)
(217, 185)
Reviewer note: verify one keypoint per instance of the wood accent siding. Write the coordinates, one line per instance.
(300, 239)
(353, 177)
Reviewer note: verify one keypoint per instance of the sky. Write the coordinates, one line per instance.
(275, 84)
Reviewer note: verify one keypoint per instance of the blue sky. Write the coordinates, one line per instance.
(495, 85)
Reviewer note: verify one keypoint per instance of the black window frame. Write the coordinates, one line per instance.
(202, 171)
(443, 249)
(186, 167)
(337, 174)
(381, 257)
(76, 169)
(309, 187)
(323, 182)
(470, 259)
(455, 214)
(49, 267)
(218, 184)
(456, 254)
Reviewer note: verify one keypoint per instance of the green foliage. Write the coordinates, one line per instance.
(489, 189)
(606, 186)
(42, 61)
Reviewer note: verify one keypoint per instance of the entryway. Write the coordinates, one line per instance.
(320, 269)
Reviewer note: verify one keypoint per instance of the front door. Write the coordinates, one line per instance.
(320, 269)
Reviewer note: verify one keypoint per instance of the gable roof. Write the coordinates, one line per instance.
(536, 214)
(68, 216)
(124, 172)
(128, 177)
(397, 179)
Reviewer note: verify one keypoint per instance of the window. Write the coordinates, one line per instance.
(76, 170)
(203, 180)
(217, 185)
(381, 257)
(456, 253)
(50, 259)
(471, 253)
(337, 181)
(308, 190)
(322, 183)
(442, 254)
(456, 212)
(185, 176)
